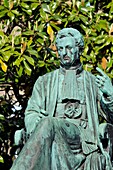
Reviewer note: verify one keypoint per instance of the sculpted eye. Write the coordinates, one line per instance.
(60, 48)
(69, 47)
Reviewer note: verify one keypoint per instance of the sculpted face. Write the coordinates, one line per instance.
(67, 51)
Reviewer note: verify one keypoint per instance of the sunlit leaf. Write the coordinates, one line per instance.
(1, 159)
(41, 63)
(34, 6)
(23, 47)
(28, 32)
(28, 11)
(11, 4)
(29, 42)
(84, 19)
(6, 3)
(1, 7)
(110, 63)
(11, 15)
(2, 117)
(15, 12)
(20, 71)
(49, 29)
(3, 66)
(18, 61)
(74, 2)
(45, 8)
(111, 29)
(40, 41)
(53, 47)
(25, 5)
(33, 52)
(112, 49)
(7, 55)
(50, 32)
(2, 13)
(104, 63)
(27, 68)
(55, 26)
(29, 59)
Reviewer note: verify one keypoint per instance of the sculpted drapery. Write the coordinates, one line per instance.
(43, 104)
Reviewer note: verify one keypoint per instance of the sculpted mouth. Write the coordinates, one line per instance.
(66, 58)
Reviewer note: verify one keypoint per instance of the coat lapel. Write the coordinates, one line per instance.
(52, 91)
(91, 105)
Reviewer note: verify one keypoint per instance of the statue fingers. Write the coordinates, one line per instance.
(100, 86)
(100, 71)
(44, 112)
(99, 82)
(41, 115)
(100, 78)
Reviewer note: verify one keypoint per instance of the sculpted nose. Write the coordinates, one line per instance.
(64, 52)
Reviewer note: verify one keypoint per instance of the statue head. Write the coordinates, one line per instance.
(70, 44)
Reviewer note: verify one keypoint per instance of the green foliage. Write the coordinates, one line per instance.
(27, 50)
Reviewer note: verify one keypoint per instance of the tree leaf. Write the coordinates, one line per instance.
(25, 5)
(6, 3)
(20, 71)
(104, 63)
(49, 29)
(28, 11)
(46, 8)
(2, 117)
(33, 52)
(16, 12)
(23, 47)
(11, 15)
(111, 29)
(7, 55)
(50, 32)
(29, 59)
(41, 41)
(28, 32)
(3, 66)
(54, 26)
(112, 49)
(41, 63)
(34, 6)
(2, 13)
(27, 68)
(84, 19)
(1, 7)
(18, 61)
(1, 159)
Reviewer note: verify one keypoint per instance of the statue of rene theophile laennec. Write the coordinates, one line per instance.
(62, 115)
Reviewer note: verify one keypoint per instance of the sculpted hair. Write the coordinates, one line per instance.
(71, 32)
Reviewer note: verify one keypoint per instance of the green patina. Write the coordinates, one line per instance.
(62, 116)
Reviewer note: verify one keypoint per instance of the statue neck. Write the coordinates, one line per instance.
(78, 69)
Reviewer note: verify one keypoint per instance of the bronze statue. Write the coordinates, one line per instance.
(62, 116)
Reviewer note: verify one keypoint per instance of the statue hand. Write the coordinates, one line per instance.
(104, 83)
(41, 115)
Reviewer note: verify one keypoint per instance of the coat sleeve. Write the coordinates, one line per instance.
(36, 106)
